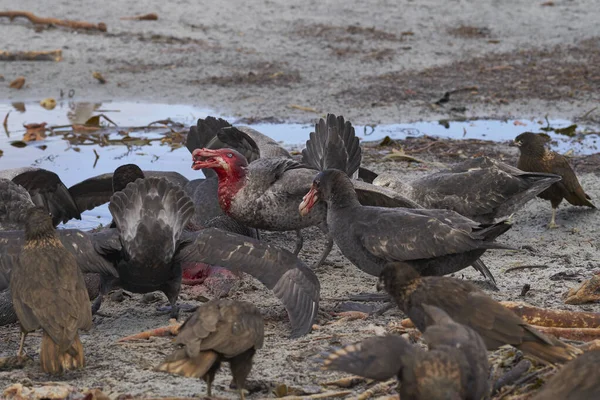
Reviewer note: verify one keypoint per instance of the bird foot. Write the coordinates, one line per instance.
(14, 362)
(588, 292)
(553, 225)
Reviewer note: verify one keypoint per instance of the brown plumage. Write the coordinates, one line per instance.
(455, 367)
(220, 330)
(48, 292)
(535, 157)
(468, 305)
(577, 380)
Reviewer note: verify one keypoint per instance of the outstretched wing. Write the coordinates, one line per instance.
(291, 280)
(333, 144)
(378, 357)
(47, 190)
(150, 215)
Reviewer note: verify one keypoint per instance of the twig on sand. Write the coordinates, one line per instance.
(381, 387)
(324, 395)
(49, 55)
(80, 25)
(525, 267)
(145, 17)
(170, 330)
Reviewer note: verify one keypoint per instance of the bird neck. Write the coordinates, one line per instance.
(41, 238)
(538, 151)
(343, 195)
(230, 183)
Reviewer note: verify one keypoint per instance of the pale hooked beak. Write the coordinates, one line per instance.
(517, 143)
(308, 201)
(207, 158)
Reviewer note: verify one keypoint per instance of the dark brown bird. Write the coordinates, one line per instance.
(577, 380)
(220, 330)
(468, 305)
(455, 367)
(435, 242)
(535, 157)
(48, 292)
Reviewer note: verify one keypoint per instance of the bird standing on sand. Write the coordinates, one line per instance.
(535, 157)
(436, 242)
(48, 292)
(467, 305)
(455, 367)
(220, 330)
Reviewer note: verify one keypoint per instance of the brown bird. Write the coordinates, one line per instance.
(220, 330)
(48, 292)
(535, 157)
(468, 305)
(577, 380)
(455, 367)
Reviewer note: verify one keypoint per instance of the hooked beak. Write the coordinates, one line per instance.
(309, 200)
(516, 143)
(207, 158)
(380, 285)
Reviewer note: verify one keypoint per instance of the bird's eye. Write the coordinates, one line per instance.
(230, 155)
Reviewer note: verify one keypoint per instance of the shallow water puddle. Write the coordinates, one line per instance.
(77, 154)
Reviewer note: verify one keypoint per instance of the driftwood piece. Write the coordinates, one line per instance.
(588, 292)
(50, 55)
(145, 17)
(579, 334)
(78, 25)
(170, 330)
(553, 318)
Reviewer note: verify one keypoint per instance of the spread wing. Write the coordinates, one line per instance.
(333, 144)
(14, 203)
(290, 279)
(378, 357)
(82, 245)
(402, 235)
(150, 215)
(47, 190)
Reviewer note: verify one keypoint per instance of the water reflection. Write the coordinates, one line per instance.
(76, 152)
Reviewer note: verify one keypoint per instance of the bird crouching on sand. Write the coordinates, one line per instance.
(48, 292)
(535, 157)
(455, 367)
(219, 331)
(467, 305)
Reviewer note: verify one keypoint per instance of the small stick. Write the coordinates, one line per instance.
(381, 387)
(97, 158)
(5, 123)
(346, 382)
(51, 55)
(54, 21)
(525, 267)
(324, 395)
(169, 330)
(145, 17)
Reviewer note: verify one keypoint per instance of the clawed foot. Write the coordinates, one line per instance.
(14, 362)
(552, 225)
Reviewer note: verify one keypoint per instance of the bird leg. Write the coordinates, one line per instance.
(240, 369)
(552, 224)
(299, 242)
(22, 344)
(326, 251)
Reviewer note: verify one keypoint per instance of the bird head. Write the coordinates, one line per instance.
(330, 185)
(396, 276)
(225, 161)
(529, 141)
